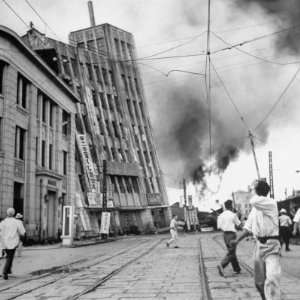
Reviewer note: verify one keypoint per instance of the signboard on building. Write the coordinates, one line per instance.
(105, 222)
(91, 110)
(91, 170)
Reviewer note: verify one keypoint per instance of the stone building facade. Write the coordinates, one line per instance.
(37, 139)
(112, 125)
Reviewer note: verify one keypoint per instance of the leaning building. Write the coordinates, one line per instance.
(112, 127)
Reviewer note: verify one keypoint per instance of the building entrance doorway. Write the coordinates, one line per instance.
(19, 197)
(51, 215)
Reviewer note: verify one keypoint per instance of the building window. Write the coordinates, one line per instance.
(74, 67)
(102, 101)
(22, 91)
(135, 185)
(89, 71)
(97, 72)
(50, 156)
(20, 143)
(51, 108)
(36, 150)
(114, 125)
(128, 185)
(19, 197)
(65, 162)
(65, 123)
(94, 98)
(44, 109)
(121, 185)
(110, 102)
(105, 76)
(2, 65)
(43, 162)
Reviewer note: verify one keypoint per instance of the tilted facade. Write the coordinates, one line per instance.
(112, 125)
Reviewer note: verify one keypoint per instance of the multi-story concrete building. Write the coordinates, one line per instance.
(99, 65)
(37, 139)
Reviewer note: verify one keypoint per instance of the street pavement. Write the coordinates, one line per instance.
(141, 267)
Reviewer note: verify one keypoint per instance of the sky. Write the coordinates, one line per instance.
(254, 79)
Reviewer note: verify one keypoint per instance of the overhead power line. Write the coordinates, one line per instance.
(176, 47)
(242, 118)
(15, 13)
(279, 98)
(264, 59)
(257, 38)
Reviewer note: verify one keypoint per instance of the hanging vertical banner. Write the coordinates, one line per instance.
(89, 165)
(91, 110)
(105, 222)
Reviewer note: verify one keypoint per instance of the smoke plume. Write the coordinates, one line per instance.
(286, 15)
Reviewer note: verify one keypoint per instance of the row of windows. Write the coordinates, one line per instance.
(136, 111)
(20, 145)
(130, 86)
(123, 49)
(46, 110)
(126, 184)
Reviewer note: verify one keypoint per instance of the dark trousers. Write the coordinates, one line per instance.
(285, 236)
(231, 252)
(10, 253)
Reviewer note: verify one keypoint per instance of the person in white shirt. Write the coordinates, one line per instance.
(173, 231)
(296, 220)
(284, 229)
(11, 230)
(228, 222)
(262, 222)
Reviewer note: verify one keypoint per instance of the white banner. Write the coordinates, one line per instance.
(105, 222)
(91, 109)
(91, 171)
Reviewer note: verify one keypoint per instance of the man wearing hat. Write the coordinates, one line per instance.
(284, 228)
(11, 229)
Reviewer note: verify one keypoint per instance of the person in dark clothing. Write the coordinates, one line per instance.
(284, 229)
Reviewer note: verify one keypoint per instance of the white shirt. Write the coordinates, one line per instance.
(285, 221)
(10, 230)
(263, 218)
(227, 221)
(297, 216)
(173, 224)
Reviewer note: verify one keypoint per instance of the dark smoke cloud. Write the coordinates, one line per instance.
(183, 134)
(285, 11)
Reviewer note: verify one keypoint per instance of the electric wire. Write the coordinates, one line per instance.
(254, 55)
(175, 47)
(242, 118)
(279, 98)
(15, 13)
(257, 38)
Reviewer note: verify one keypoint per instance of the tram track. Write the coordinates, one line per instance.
(69, 270)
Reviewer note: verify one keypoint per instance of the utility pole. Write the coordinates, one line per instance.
(254, 154)
(208, 76)
(271, 175)
(104, 193)
(185, 200)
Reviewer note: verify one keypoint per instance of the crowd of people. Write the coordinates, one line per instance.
(270, 229)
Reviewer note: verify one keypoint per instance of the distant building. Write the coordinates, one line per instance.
(112, 124)
(37, 139)
(242, 202)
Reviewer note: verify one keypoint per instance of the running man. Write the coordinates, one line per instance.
(174, 232)
(228, 222)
